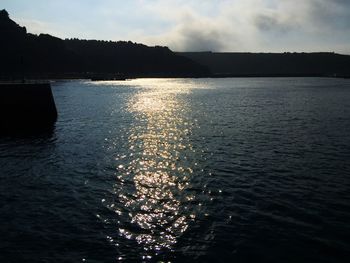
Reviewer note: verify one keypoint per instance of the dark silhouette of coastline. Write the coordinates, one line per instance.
(324, 64)
(25, 55)
(28, 56)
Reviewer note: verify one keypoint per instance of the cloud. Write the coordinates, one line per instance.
(193, 32)
(255, 25)
(274, 23)
(193, 29)
(332, 14)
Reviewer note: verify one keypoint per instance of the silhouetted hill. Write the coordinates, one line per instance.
(45, 56)
(273, 64)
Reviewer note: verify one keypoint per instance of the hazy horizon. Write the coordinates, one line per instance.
(223, 26)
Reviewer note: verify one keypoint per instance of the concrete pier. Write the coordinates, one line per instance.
(26, 107)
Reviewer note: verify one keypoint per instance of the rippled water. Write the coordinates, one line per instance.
(213, 170)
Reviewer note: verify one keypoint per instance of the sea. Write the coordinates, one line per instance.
(182, 170)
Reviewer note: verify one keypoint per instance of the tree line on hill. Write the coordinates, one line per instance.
(44, 56)
(25, 55)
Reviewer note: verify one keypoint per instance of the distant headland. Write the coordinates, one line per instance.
(28, 56)
(320, 64)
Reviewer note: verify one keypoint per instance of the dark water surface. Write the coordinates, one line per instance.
(213, 170)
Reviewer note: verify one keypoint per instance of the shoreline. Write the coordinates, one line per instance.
(46, 80)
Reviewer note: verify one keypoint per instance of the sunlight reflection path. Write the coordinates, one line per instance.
(159, 167)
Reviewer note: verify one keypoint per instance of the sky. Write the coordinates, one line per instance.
(195, 25)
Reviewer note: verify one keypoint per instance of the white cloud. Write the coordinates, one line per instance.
(254, 25)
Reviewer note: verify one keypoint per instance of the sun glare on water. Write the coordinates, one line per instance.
(158, 167)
